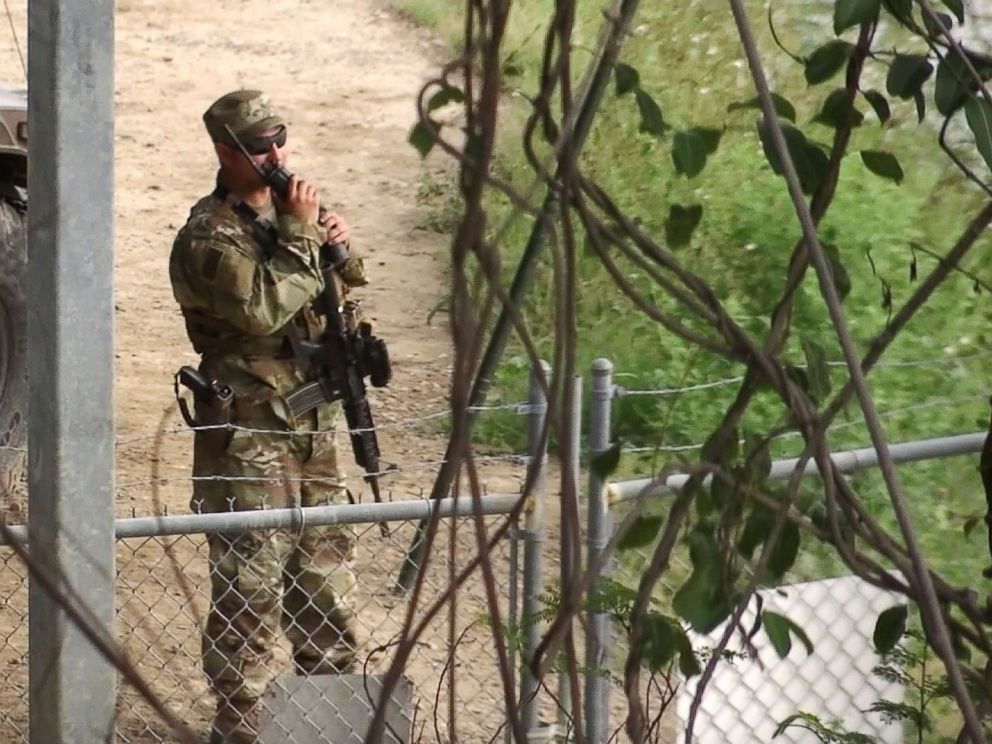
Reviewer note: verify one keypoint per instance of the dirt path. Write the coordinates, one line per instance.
(345, 73)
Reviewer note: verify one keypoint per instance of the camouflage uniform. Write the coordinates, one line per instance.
(241, 296)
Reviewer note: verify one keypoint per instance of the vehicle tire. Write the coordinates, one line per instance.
(13, 360)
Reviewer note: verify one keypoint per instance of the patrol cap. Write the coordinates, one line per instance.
(247, 112)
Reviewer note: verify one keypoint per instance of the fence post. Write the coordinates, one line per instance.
(600, 528)
(566, 724)
(70, 321)
(533, 534)
(511, 621)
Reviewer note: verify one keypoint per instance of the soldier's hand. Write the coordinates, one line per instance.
(302, 200)
(337, 229)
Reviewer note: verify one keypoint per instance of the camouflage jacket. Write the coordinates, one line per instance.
(241, 293)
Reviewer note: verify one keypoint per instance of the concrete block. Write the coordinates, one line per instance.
(332, 709)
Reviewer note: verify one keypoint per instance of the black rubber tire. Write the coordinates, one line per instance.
(13, 360)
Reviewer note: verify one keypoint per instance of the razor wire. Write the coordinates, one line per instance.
(513, 459)
(521, 408)
(934, 402)
(723, 382)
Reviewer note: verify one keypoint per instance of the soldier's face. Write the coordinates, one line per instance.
(238, 167)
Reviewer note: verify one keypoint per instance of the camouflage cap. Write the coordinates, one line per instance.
(246, 112)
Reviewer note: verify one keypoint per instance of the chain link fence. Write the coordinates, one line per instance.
(164, 600)
(837, 682)
(195, 591)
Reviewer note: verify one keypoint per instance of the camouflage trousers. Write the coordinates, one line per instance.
(272, 581)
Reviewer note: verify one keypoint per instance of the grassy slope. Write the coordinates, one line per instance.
(690, 62)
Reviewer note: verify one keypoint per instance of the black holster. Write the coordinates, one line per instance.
(212, 399)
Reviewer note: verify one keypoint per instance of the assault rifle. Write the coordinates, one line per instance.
(344, 355)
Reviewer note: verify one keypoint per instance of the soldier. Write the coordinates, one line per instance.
(245, 270)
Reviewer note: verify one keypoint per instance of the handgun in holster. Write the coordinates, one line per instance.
(212, 399)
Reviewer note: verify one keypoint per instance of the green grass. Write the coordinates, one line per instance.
(690, 61)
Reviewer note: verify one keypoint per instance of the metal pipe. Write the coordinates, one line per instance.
(309, 516)
(511, 621)
(846, 462)
(565, 719)
(533, 541)
(599, 532)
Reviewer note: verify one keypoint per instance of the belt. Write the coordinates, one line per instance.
(277, 347)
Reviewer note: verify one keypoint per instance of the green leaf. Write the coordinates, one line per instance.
(447, 94)
(782, 106)
(921, 105)
(889, 628)
(816, 369)
(651, 118)
(970, 524)
(604, 464)
(952, 85)
(850, 13)
(688, 663)
(880, 104)
(907, 75)
(785, 551)
(821, 731)
(659, 633)
(934, 27)
(826, 61)
(883, 164)
(780, 630)
(723, 494)
(979, 114)
(810, 161)
(512, 70)
(689, 151)
(641, 532)
(422, 137)
(611, 597)
(627, 78)
(711, 136)
(836, 111)
(842, 280)
(701, 600)
(957, 8)
(902, 10)
(681, 223)
(757, 456)
(756, 530)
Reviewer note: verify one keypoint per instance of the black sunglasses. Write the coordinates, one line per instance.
(262, 145)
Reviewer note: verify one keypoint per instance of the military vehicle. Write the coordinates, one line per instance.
(13, 320)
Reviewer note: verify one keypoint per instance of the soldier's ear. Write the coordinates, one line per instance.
(225, 154)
